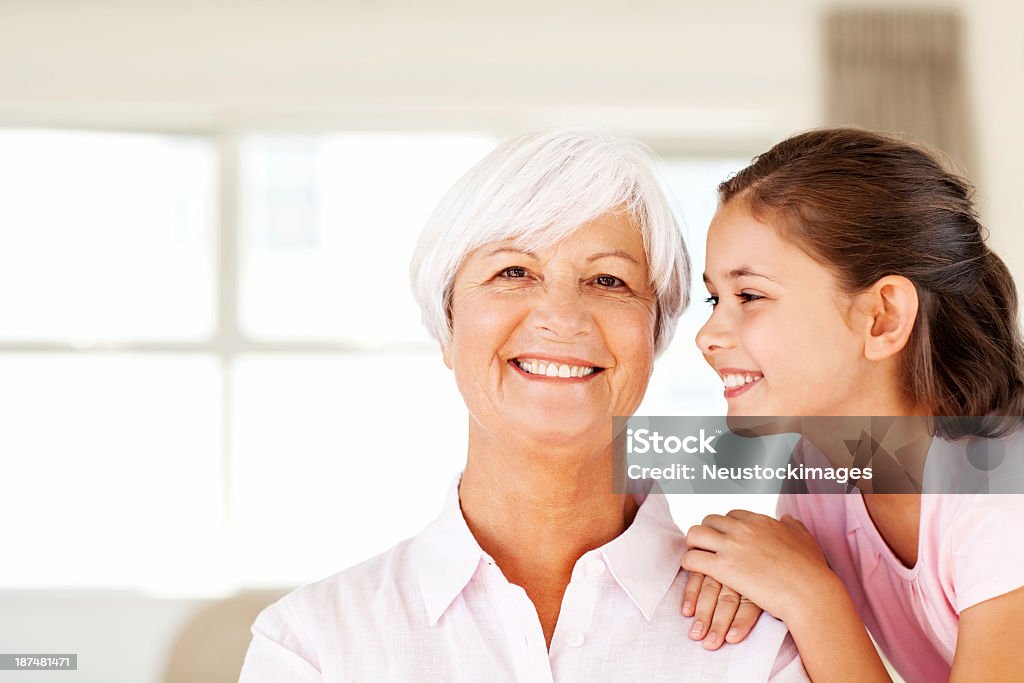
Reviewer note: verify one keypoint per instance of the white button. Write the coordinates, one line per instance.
(575, 639)
(595, 568)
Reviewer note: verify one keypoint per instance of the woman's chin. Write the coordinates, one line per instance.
(560, 432)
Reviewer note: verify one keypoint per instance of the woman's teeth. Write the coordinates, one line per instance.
(539, 367)
(732, 381)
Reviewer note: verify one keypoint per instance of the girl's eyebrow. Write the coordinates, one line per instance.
(742, 271)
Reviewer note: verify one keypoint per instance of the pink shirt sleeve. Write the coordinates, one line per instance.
(986, 550)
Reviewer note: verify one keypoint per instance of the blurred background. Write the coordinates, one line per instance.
(212, 372)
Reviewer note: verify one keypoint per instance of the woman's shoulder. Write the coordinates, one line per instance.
(368, 577)
(348, 596)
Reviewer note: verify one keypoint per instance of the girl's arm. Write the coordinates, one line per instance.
(989, 640)
(779, 566)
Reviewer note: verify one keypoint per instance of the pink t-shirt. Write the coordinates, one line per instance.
(970, 549)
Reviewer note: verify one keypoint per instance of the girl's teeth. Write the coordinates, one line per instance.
(732, 381)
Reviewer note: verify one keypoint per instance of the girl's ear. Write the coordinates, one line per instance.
(891, 305)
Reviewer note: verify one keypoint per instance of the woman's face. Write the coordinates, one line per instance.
(548, 346)
(778, 335)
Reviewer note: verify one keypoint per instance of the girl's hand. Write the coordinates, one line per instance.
(777, 565)
(721, 615)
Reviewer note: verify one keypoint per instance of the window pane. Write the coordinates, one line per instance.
(338, 458)
(682, 383)
(111, 470)
(328, 228)
(105, 236)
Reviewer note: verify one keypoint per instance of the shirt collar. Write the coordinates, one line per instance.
(644, 559)
(448, 556)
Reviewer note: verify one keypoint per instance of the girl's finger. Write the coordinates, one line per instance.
(706, 602)
(746, 616)
(791, 521)
(719, 523)
(693, 583)
(697, 560)
(721, 620)
(741, 514)
(796, 525)
(700, 561)
(704, 538)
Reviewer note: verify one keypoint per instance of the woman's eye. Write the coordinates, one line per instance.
(747, 297)
(609, 281)
(513, 272)
(713, 300)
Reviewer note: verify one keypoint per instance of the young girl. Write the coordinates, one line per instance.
(849, 277)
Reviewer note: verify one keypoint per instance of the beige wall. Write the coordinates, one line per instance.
(738, 74)
(706, 75)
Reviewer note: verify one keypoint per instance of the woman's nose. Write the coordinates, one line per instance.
(715, 335)
(562, 313)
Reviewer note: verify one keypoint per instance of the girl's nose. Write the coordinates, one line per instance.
(715, 335)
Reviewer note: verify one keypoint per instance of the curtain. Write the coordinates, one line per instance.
(900, 71)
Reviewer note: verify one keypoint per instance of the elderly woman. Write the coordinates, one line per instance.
(552, 274)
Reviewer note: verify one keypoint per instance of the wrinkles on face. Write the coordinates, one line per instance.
(586, 301)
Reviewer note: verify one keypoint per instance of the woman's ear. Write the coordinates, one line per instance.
(446, 353)
(891, 305)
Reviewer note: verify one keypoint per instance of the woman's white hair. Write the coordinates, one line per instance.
(537, 189)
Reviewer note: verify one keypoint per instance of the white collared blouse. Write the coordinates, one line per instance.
(436, 607)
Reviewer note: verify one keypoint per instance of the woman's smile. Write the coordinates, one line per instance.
(537, 367)
(551, 344)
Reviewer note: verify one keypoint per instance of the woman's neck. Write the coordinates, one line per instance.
(536, 515)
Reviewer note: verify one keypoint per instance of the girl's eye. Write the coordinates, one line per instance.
(744, 297)
(513, 272)
(609, 281)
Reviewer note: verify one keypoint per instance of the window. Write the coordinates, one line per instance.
(184, 420)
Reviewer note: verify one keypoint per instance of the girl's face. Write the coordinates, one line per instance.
(779, 335)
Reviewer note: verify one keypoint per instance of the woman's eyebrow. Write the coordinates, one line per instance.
(510, 250)
(619, 253)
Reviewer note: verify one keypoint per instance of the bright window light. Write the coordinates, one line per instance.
(338, 458)
(111, 470)
(205, 467)
(106, 236)
(682, 383)
(329, 224)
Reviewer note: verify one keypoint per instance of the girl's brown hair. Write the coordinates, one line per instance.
(869, 205)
